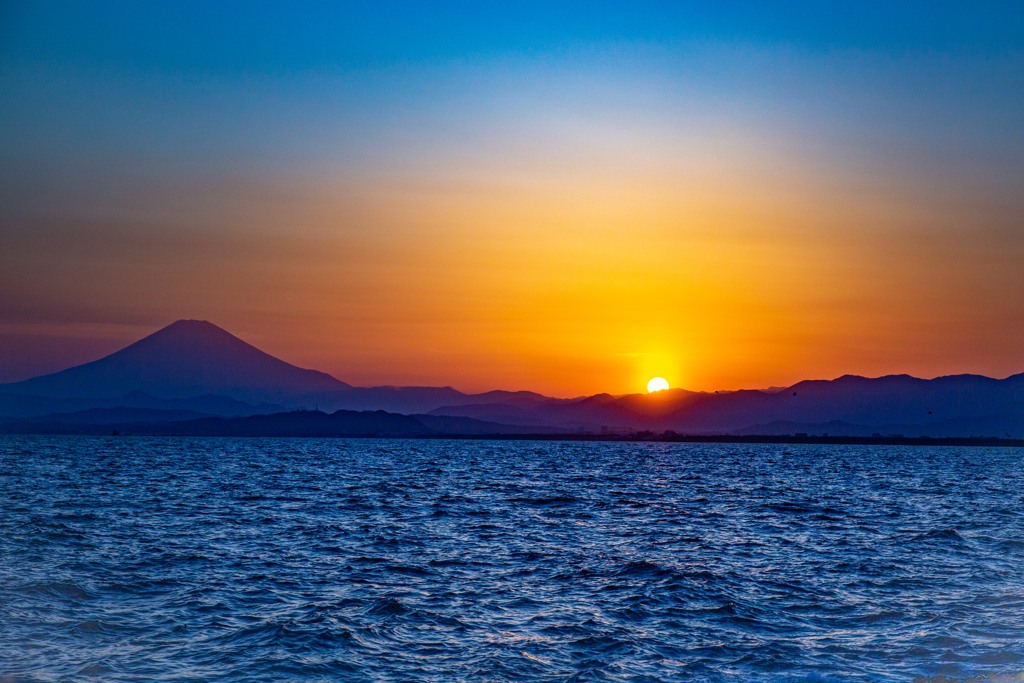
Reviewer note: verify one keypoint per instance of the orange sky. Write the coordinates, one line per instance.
(723, 214)
(565, 285)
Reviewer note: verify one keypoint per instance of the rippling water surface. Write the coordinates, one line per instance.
(151, 559)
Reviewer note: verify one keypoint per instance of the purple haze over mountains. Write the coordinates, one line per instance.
(198, 367)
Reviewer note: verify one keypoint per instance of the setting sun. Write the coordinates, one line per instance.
(657, 384)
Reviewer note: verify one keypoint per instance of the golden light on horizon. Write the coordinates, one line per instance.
(657, 384)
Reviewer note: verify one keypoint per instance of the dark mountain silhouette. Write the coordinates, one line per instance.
(1000, 426)
(464, 425)
(946, 406)
(296, 423)
(196, 366)
(19, 405)
(304, 423)
(411, 400)
(120, 415)
(186, 359)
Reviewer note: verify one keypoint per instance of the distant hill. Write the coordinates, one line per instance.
(469, 426)
(19, 405)
(196, 366)
(999, 426)
(186, 359)
(301, 423)
(411, 400)
(120, 415)
(946, 406)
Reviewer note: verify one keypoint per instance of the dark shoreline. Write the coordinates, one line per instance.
(126, 431)
(678, 438)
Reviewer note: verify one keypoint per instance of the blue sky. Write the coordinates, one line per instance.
(214, 83)
(290, 37)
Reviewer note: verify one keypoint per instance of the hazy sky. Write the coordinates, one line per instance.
(562, 197)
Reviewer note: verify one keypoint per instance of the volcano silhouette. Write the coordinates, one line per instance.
(187, 358)
(195, 365)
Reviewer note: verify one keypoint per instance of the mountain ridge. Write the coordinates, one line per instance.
(196, 366)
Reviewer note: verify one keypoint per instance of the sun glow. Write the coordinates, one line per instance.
(657, 384)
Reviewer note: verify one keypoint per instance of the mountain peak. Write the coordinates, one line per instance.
(184, 359)
(185, 323)
(185, 327)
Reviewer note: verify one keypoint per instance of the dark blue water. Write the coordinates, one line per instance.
(153, 559)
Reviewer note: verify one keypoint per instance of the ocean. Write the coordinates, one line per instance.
(219, 559)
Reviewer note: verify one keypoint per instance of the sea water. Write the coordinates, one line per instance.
(185, 559)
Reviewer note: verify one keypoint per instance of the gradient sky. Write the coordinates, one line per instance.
(563, 197)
